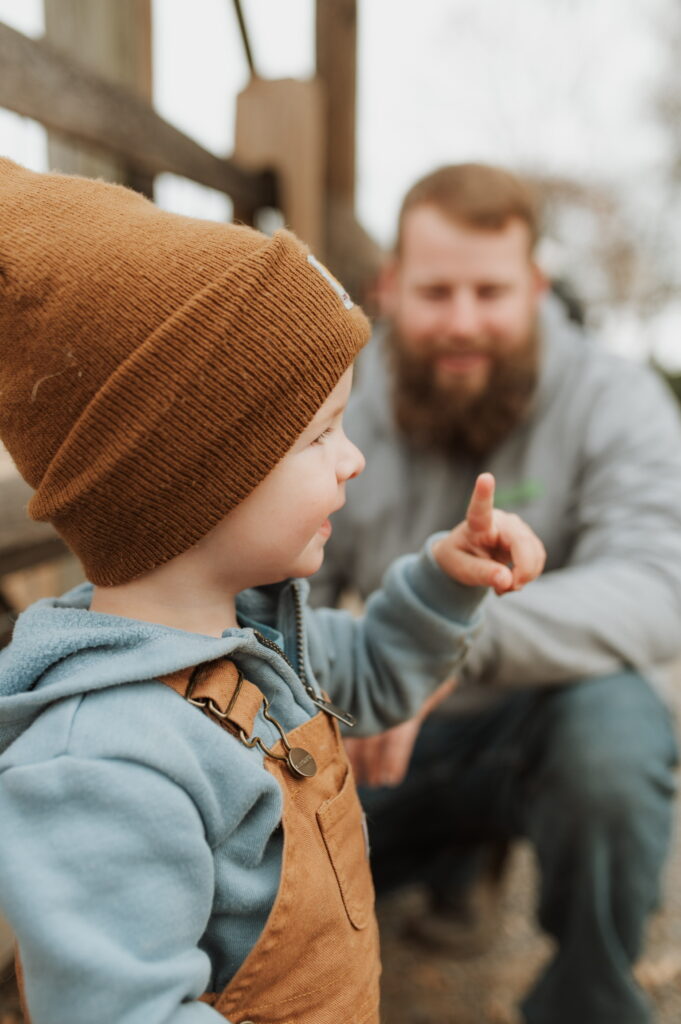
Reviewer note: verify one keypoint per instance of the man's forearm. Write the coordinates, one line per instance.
(577, 622)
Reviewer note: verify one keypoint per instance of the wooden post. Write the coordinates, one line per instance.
(112, 37)
(350, 252)
(279, 125)
(336, 40)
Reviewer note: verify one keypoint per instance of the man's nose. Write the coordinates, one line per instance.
(462, 315)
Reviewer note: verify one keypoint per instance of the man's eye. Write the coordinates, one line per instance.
(324, 434)
(435, 294)
(492, 291)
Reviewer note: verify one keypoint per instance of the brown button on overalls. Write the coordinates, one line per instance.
(317, 960)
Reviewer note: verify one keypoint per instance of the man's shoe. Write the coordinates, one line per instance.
(463, 925)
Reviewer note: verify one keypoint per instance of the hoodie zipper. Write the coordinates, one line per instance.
(321, 702)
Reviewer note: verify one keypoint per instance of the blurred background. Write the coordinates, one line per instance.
(321, 115)
(584, 96)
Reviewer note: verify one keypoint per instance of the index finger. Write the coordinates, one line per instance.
(480, 513)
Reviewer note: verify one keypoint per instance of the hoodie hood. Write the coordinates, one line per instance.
(60, 649)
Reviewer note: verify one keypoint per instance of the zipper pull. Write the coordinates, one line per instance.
(332, 709)
(326, 705)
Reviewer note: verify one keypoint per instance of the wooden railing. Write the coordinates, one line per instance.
(38, 81)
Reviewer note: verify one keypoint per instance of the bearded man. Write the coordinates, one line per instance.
(555, 731)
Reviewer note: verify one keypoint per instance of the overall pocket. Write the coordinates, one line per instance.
(341, 822)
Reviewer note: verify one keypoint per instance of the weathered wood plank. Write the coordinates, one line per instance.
(280, 124)
(23, 543)
(39, 82)
(336, 41)
(353, 255)
(112, 38)
(350, 252)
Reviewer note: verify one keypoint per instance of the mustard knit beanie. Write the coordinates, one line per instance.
(153, 368)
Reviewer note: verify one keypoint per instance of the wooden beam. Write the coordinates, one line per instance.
(336, 41)
(280, 124)
(113, 39)
(354, 256)
(350, 252)
(29, 555)
(38, 82)
(23, 542)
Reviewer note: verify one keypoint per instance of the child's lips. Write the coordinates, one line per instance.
(326, 528)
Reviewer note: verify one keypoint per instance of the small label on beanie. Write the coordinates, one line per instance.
(335, 284)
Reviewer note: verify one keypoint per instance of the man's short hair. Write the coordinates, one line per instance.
(476, 196)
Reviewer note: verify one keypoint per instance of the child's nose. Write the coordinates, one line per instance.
(352, 462)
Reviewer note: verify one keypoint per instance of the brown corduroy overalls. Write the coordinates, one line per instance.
(317, 960)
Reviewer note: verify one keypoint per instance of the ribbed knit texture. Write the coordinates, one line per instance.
(153, 368)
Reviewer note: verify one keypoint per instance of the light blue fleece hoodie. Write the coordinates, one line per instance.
(140, 844)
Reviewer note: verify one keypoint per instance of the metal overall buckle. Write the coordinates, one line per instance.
(299, 761)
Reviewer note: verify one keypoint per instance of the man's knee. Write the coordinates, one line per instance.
(604, 787)
(609, 753)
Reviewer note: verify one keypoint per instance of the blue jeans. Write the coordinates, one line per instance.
(586, 773)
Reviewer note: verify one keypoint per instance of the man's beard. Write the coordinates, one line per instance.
(450, 420)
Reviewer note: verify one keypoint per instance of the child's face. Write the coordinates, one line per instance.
(281, 528)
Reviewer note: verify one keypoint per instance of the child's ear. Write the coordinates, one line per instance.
(386, 288)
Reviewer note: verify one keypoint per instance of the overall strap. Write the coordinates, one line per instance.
(219, 689)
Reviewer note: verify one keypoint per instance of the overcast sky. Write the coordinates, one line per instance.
(558, 86)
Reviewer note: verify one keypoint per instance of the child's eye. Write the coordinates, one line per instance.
(324, 434)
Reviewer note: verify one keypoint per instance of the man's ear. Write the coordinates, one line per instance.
(541, 281)
(386, 288)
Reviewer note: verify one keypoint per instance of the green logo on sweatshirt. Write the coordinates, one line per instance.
(519, 494)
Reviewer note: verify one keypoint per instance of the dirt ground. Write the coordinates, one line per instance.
(420, 987)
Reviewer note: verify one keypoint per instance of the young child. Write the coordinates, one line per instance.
(181, 839)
